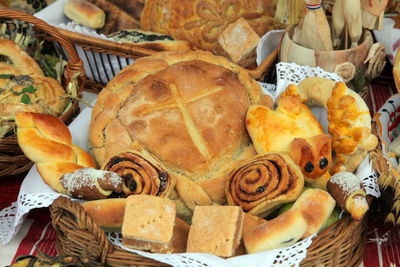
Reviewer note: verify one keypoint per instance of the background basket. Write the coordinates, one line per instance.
(12, 160)
(342, 244)
(103, 59)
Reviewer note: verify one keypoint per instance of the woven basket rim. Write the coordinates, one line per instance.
(63, 207)
(74, 66)
(131, 50)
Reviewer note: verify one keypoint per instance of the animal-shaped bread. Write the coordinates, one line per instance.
(292, 128)
(348, 116)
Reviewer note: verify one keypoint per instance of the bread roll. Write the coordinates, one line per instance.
(216, 230)
(150, 40)
(116, 18)
(141, 174)
(23, 77)
(85, 13)
(282, 231)
(316, 206)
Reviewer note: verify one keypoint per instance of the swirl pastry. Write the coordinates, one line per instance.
(263, 182)
(140, 174)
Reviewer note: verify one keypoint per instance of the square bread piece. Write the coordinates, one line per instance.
(148, 223)
(216, 230)
(239, 41)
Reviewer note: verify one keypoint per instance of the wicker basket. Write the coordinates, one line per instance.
(12, 161)
(342, 244)
(99, 53)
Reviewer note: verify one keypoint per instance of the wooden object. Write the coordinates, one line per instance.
(346, 21)
(343, 62)
(313, 31)
(342, 244)
(372, 12)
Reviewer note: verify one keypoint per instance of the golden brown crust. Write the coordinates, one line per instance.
(85, 13)
(149, 223)
(349, 120)
(187, 110)
(107, 213)
(116, 18)
(291, 128)
(316, 206)
(201, 22)
(263, 182)
(46, 140)
(48, 95)
(282, 231)
(216, 230)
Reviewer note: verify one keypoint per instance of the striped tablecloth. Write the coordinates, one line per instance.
(37, 233)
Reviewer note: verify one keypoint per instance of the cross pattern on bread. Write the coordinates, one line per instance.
(180, 104)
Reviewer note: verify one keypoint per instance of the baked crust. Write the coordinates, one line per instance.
(216, 230)
(187, 109)
(85, 13)
(201, 22)
(24, 71)
(47, 141)
(282, 231)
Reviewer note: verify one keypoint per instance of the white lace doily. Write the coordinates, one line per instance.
(290, 256)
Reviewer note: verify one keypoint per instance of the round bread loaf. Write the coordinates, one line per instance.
(187, 110)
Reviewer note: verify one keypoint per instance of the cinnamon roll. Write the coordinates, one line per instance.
(140, 174)
(263, 182)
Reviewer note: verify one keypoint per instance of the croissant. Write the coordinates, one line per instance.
(47, 141)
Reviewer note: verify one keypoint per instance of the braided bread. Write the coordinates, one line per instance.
(47, 141)
(349, 119)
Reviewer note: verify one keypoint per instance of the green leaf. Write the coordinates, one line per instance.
(26, 99)
(6, 76)
(29, 89)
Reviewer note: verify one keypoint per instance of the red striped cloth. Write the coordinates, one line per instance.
(41, 235)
